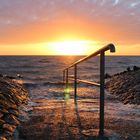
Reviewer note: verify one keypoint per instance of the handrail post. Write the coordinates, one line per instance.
(67, 80)
(75, 82)
(102, 71)
(63, 76)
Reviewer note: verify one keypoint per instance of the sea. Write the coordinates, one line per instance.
(43, 75)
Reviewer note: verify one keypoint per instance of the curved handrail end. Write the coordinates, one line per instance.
(112, 47)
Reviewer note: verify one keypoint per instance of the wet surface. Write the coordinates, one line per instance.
(51, 119)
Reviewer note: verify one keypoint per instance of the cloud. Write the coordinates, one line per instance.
(134, 4)
(118, 18)
(116, 2)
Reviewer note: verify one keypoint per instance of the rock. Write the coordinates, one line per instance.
(19, 76)
(135, 68)
(126, 85)
(130, 97)
(3, 110)
(6, 95)
(107, 76)
(1, 122)
(2, 96)
(11, 119)
(3, 138)
(1, 114)
(14, 112)
(10, 128)
(7, 104)
(128, 137)
(7, 134)
(126, 102)
(10, 77)
(128, 69)
(12, 96)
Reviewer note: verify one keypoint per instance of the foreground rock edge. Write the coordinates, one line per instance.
(12, 97)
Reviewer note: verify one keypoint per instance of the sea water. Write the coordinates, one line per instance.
(42, 75)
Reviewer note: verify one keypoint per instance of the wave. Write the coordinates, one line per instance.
(33, 84)
(44, 61)
(30, 85)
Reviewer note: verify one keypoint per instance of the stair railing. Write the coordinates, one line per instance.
(66, 79)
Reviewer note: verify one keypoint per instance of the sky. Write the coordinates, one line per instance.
(27, 27)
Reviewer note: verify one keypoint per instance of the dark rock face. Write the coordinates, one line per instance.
(12, 96)
(126, 86)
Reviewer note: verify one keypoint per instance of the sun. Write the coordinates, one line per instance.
(70, 47)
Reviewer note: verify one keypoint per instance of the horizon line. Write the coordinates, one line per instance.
(65, 55)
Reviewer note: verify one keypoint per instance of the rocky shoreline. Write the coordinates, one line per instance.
(126, 86)
(12, 97)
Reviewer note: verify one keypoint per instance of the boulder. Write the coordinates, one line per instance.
(11, 119)
(12, 96)
(2, 138)
(126, 86)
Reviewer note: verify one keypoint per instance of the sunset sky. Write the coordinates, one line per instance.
(36, 27)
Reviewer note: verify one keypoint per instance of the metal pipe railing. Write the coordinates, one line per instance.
(66, 78)
(86, 82)
(102, 81)
(110, 47)
(75, 81)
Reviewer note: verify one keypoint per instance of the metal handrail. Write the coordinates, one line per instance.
(110, 47)
(66, 79)
(86, 82)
